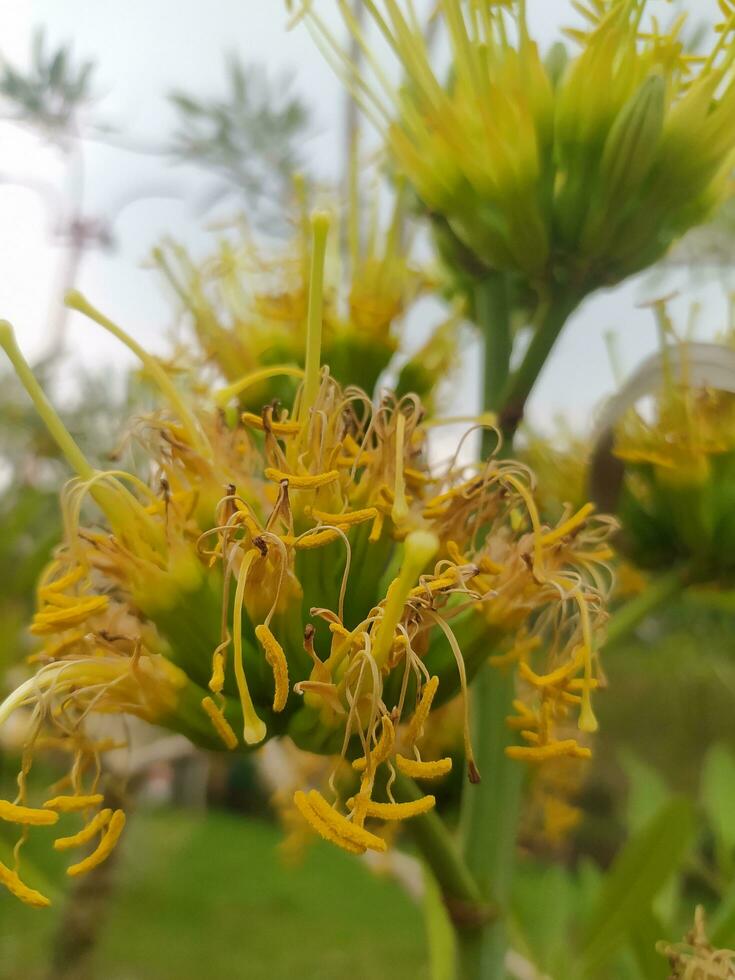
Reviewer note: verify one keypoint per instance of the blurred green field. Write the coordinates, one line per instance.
(206, 895)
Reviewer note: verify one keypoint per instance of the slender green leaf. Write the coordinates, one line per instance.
(718, 799)
(637, 875)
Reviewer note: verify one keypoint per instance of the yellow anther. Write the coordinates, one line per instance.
(16, 887)
(277, 428)
(434, 585)
(63, 582)
(423, 708)
(575, 521)
(105, 847)
(55, 620)
(308, 541)
(399, 811)
(555, 676)
(377, 529)
(304, 481)
(220, 723)
(85, 835)
(348, 519)
(72, 804)
(383, 747)
(555, 750)
(343, 827)
(351, 446)
(26, 815)
(341, 630)
(423, 770)
(277, 660)
(217, 680)
(321, 827)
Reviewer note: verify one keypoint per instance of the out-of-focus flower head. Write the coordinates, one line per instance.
(247, 304)
(577, 172)
(696, 956)
(668, 468)
(301, 571)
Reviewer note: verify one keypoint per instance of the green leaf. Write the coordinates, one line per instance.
(718, 799)
(646, 932)
(639, 872)
(647, 791)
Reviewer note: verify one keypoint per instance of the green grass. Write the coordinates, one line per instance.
(206, 895)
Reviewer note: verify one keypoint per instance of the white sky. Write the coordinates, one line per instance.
(143, 51)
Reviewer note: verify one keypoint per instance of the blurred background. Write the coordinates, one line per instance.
(127, 125)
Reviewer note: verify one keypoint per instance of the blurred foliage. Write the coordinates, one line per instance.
(248, 137)
(52, 90)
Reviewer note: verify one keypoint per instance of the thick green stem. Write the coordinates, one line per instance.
(521, 382)
(490, 813)
(625, 619)
(459, 890)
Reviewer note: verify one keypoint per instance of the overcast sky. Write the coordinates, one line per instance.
(143, 51)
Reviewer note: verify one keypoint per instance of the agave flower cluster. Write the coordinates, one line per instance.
(672, 463)
(247, 304)
(302, 571)
(576, 172)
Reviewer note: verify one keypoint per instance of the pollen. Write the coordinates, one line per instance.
(416, 769)
(221, 724)
(302, 482)
(85, 835)
(416, 725)
(16, 887)
(324, 830)
(343, 827)
(398, 811)
(72, 804)
(382, 750)
(277, 660)
(29, 816)
(105, 847)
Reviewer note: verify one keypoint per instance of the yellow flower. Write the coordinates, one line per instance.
(575, 178)
(305, 572)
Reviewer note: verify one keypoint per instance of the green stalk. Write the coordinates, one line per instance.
(625, 619)
(520, 384)
(460, 893)
(491, 809)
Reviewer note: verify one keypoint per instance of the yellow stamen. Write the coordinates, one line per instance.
(556, 676)
(348, 519)
(377, 529)
(277, 428)
(277, 659)
(85, 835)
(26, 815)
(308, 541)
(343, 827)
(555, 750)
(398, 811)
(419, 548)
(321, 827)
(254, 730)
(382, 749)
(217, 681)
(71, 804)
(303, 482)
(423, 708)
(16, 887)
(423, 770)
(57, 619)
(104, 848)
(568, 526)
(220, 723)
